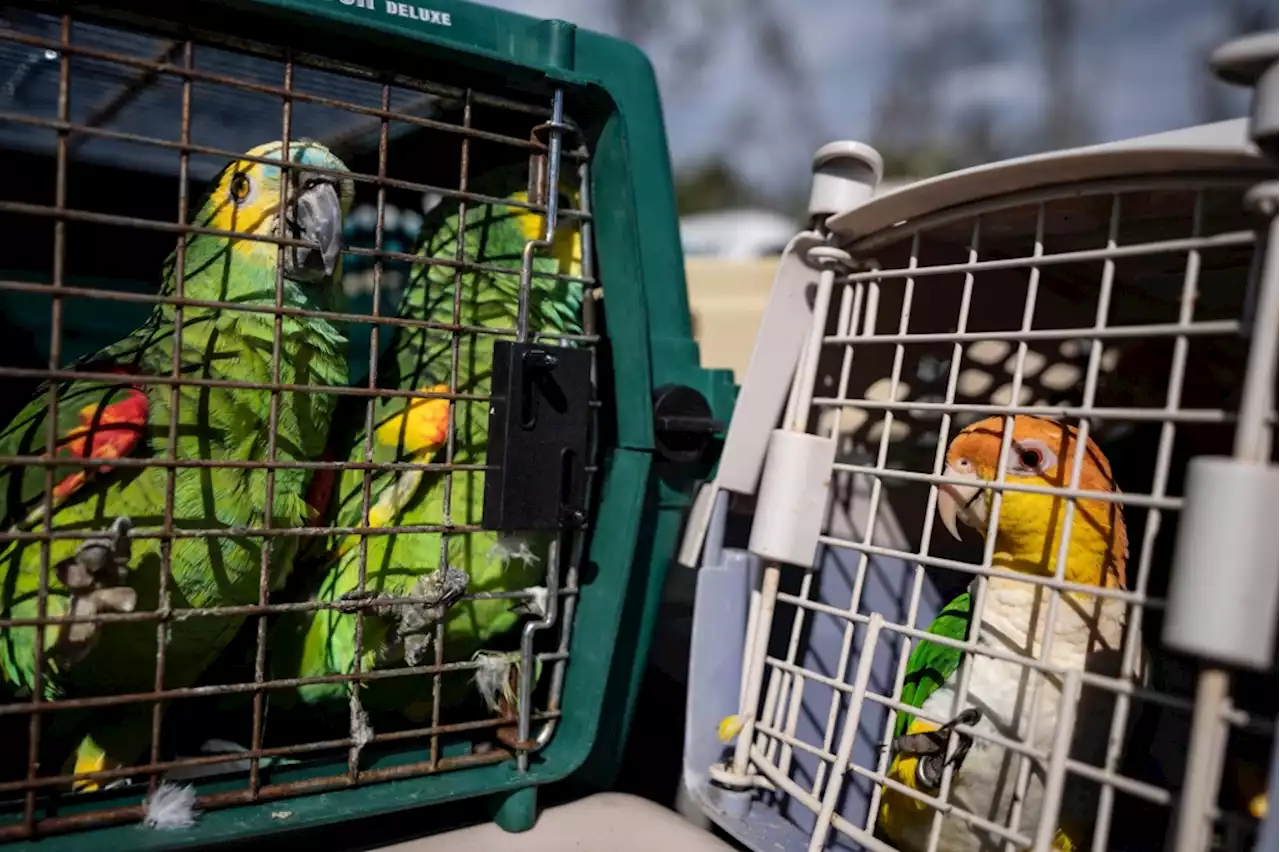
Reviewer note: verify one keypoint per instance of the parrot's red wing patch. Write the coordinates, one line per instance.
(105, 432)
(320, 489)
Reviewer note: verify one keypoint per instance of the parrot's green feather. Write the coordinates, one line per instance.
(419, 358)
(931, 664)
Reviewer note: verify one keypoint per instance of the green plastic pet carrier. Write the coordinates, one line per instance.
(115, 120)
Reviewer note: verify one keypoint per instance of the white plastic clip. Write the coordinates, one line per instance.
(779, 341)
(1222, 595)
(845, 176)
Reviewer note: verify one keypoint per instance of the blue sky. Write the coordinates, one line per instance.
(1139, 65)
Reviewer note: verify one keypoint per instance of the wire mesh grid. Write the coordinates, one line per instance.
(1121, 308)
(132, 116)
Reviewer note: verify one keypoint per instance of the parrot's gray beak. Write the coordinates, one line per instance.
(961, 502)
(316, 217)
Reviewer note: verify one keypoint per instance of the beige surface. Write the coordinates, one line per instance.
(727, 298)
(609, 822)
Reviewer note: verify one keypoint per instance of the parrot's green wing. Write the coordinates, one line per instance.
(931, 664)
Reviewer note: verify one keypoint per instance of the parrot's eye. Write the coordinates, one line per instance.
(1031, 457)
(239, 187)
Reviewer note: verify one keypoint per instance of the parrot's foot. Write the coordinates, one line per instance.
(97, 578)
(931, 749)
(413, 623)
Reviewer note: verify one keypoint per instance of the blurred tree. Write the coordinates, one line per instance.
(916, 160)
(1066, 122)
(916, 131)
(652, 24)
(713, 185)
(906, 121)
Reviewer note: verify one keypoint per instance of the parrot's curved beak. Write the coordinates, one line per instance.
(315, 217)
(961, 502)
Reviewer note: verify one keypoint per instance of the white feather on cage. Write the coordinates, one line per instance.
(171, 806)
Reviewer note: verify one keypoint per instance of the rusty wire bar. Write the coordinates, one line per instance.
(55, 356)
(366, 486)
(277, 751)
(183, 614)
(82, 130)
(273, 419)
(335, 316)
(63, 213)
(119, 700)
(455, 341)
(166, 545)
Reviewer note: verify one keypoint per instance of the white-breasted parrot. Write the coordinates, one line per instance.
(124, 419)
(1088, 635)
(415, 430)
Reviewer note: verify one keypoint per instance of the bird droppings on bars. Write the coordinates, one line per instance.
(361, 730)
(171, 806)
(492, 677)
(536, 602)
(412, 623)
(281, 814)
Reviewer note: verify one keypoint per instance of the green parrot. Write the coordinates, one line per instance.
(415, 430)
(112, 572)
(1088, 633)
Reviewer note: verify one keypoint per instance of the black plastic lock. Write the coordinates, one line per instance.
(539, 417)
(682, 423)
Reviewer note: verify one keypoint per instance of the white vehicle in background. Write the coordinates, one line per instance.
(746, 233)
(743, 234)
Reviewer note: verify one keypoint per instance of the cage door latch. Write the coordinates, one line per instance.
(539, 415)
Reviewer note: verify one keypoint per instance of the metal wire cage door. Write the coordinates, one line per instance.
(472, 186)
(953, 333)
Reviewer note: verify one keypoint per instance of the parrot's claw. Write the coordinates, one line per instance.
(97, 578)
(414, 623)
(931, 749)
